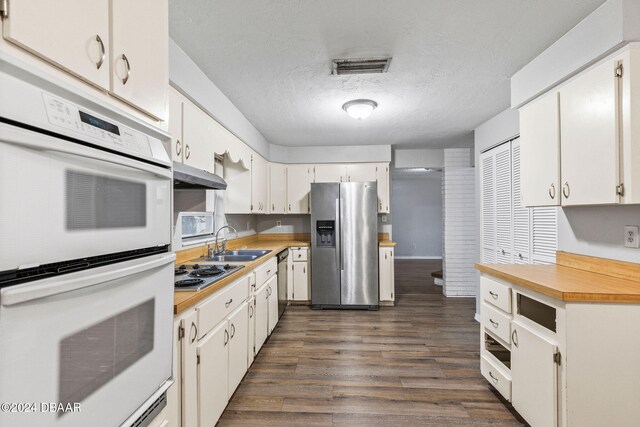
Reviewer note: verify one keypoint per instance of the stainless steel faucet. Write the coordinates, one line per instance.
(216, 249)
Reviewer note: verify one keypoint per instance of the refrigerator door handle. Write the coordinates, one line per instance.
(338, 236)
(341, 236)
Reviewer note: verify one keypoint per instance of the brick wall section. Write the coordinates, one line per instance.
(460, 222)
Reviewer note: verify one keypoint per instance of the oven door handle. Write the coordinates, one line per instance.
(29, 292)
(35, 140)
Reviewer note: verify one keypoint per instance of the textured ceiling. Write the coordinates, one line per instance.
(452, 60)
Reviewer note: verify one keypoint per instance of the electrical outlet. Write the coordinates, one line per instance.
(278, 223)
(248, 225)
(631, 236)
(384, 218)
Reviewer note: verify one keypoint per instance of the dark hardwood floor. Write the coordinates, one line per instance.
(415, 364)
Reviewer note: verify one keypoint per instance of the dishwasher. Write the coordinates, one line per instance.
(282, 281)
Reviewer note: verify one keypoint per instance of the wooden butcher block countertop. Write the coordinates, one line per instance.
(576, 278)
(276, 243)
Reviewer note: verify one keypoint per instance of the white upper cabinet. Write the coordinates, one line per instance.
(361, 172)
(238, 194)
(176, 102)
(540, 145)
(330, 172)
(140, 53)
(72, 34)
(196, 134)
(298, 188)
(589, 137)
(277, 188)
(259, 184)
(384, 197)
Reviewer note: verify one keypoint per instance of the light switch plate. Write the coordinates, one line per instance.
(278, 223)
(384, 218)
(631, 239)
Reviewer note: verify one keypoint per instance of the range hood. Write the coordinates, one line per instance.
(190, 178)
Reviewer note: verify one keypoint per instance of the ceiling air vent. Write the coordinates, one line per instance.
(361, 66)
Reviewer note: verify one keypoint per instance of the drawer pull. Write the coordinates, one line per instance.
(228, 303)
(493, 294)
(268, 271)
(514, 338)
(495, 324)
(495, 380)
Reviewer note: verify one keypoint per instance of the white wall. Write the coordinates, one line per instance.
(189, 79)
(613, 24)
(417, 216)
(331, 154)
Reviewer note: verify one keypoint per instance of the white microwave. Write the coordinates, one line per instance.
(196, 227)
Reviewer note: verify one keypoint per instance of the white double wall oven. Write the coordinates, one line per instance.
(86, 272)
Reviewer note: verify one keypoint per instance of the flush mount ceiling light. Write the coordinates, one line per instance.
(360, 108)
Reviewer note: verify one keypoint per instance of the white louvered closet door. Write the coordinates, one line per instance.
(521, 214)
(488, 207)
(504, 233)
(544, 235)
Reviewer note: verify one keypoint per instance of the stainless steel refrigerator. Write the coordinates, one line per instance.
(344, 245)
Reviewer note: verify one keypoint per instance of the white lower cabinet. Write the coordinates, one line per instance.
(272, 286)
(299, 277)
(262, 316)
(213, 379)
(238, 346)
(534, 374)
(251, 341)
(386, 275)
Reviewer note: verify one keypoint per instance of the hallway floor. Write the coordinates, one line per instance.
(415, 364)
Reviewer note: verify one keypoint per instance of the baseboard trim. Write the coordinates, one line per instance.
(477, 317)
(418, 257)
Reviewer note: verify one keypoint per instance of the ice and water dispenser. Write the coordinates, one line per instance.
(326, 234)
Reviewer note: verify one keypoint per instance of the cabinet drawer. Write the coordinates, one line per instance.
(496, 322)
(496, 293)
(221, 304)
(496, 377)
(265, 271)
(299, 254)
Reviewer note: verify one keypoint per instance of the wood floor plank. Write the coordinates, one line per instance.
(413, 364)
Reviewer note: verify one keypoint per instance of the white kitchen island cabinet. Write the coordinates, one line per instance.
(563, 354)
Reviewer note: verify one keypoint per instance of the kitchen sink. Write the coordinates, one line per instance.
(236, 256)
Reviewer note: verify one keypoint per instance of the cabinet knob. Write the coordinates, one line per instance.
(127, 67)
(102, 52)
(552, 191)
(566, 191)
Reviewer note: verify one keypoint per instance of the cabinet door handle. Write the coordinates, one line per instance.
(228, 303)
(566, 191)
(127, 68)
(495, 380)
(273, 207)
(102, 52)
(514, 338)
(289, 207)
(250, 311)
(552, 191)
(493, 294)
(385, 256)
(178, 147)
(520, 255)
(187, 151)
(226, 337)
(194, 328)
(269, 291)
(233, 330)
(495, 324)
(304, 270)
(502, 251)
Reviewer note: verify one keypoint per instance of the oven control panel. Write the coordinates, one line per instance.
(112, 135)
